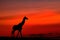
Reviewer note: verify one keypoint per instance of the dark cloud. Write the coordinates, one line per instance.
(28, 0)
(21, 4)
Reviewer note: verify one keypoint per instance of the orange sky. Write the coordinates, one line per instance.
(42, 17)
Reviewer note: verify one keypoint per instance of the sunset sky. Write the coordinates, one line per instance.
(40, 13)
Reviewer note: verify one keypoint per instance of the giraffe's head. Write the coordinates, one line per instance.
(25, 18)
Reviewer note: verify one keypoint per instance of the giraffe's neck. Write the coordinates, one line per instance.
(23, 21)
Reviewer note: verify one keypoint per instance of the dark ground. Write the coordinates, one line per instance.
(30, 38)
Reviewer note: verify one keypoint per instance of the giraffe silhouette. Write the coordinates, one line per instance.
(18, 27)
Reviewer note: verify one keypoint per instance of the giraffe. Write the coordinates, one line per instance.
(18, 27)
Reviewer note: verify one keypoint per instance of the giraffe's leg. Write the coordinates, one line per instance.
(21, 34)
(17, 34)
(13, 33)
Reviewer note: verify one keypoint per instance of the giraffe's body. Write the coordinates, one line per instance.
(19, 27)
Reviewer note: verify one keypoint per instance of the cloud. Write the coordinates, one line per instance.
(8, 17)
(28, 4)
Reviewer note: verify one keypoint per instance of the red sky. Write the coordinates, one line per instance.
(47, 17)
(43, 17)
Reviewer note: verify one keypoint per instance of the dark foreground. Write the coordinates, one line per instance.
(30, 38)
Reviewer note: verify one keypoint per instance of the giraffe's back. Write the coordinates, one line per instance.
(17, 27)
